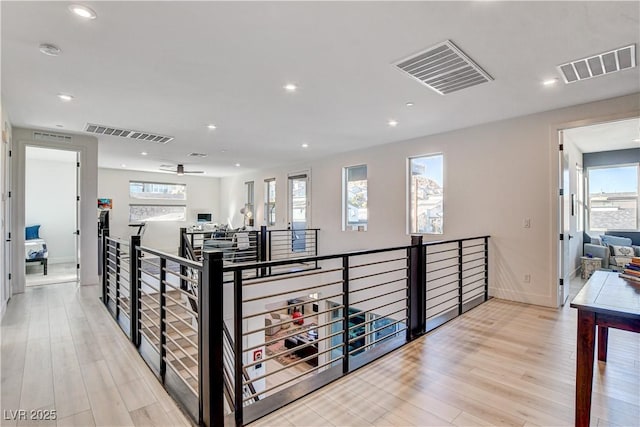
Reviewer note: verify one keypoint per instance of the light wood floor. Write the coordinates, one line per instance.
(61, 350)
(500, 364)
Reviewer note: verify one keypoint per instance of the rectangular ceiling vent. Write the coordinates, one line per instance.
(201, 155)
(49, 136)
(599, 65)
(444, 68)
(127, 133)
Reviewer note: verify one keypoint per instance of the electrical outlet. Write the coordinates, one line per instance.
(527, 278)
(527, 223)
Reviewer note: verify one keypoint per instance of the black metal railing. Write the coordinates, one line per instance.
(231, 351)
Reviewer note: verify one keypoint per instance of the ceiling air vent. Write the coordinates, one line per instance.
(201, 155)
(599, 65)
(127, 133)
(49, 136)
(444, 68)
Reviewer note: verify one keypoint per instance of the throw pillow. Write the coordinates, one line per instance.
(32, 232)
(608, 240)
(622, 251)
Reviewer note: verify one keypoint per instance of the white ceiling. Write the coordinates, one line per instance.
(173, 67)
(618, 135)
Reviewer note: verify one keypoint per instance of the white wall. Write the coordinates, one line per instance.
(203, 196)
(50, 200)
(496, 174)
(5, 224)
(87, 147)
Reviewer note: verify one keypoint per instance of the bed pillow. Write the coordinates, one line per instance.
(622, 251)
(32, 232)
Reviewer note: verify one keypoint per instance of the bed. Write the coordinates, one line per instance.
(35, 248)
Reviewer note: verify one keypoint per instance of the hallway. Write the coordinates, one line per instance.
(61, 351)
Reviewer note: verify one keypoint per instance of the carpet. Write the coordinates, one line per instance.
(278, 346)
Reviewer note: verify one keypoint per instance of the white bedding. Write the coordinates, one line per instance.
(35, 249)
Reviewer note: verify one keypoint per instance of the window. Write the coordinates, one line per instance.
(580, 198)
(249, 196)
(613, 198)
(426, 194)
(354, 202)
(157, 190)
(270, 201)
(139, 213)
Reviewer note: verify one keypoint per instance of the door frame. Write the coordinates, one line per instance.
(555, 255)
(290, 176)
(19, 206)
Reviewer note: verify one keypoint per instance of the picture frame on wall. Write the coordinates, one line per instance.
(105, 204)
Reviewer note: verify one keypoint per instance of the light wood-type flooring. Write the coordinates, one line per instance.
(502, 364)
(61, 350)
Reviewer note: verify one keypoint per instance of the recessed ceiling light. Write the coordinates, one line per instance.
(212, 126)
(636, 140)
(223, 151)
(550, 82)
(123, 165)
(49, 49)
(290, 87)
(144, 153)
(237, 165)
(65, 97)
(393, 123)
(305, 145)
(409, 104)
(83, 11)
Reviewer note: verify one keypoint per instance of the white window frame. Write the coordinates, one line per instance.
(346, 225)
(270, 205)
(409, 205)
(150, 219)
(588, 194)
(157, 196)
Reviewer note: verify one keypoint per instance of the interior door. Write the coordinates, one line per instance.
(77, 223)
(564, 261)
(298, 210)
(7, 216)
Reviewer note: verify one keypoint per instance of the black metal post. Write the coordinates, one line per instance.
(486, 268)
(316, 245)
(459, 277)
(417, 291)
(262, 249)
(182, 253)
(345, 312)
(237, 341)
(134, 268)
(270, 253)
(104, 260)
(118, 255)
(163, 318)
(210, 341)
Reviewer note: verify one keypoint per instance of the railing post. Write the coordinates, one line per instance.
(182, 253)
(486, 268)
(134, 312)
(237, 343)
(210, 336)
(417, 289)
(163, 318)
(345, 312)
(459, 277)
(269, 252)
(262, 249)
(316, 245)
(104, 260)
(118, 255)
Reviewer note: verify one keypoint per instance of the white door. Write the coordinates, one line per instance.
(77, 225)
(564, 261)
(5, 281)
(298, 210)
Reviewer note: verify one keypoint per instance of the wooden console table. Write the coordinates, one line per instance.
(606, 301)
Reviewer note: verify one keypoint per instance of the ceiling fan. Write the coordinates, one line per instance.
(178, 169)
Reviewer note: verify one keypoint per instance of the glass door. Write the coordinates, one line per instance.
(298, 210)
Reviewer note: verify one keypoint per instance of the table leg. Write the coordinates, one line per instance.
(603, 338)
(584, 366)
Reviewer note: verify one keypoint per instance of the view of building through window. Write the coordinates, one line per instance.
(270, 201)
(157, 190)
(426, 194)
(613, 198)
(355, 198)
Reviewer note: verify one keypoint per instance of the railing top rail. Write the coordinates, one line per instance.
(182, 261)
(441, 242)
(252, 265)
(116, 240)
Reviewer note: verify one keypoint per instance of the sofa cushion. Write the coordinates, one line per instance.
(622, 251)
(608, 240)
